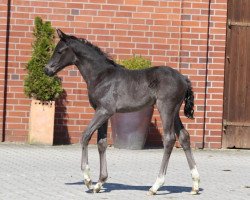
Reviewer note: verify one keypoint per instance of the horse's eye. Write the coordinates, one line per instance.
(62, 50)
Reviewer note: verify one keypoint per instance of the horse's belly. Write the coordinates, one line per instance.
(131, 105)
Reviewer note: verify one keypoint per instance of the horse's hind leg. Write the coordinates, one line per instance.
(167, 112)
(102, 146)
(184, 140)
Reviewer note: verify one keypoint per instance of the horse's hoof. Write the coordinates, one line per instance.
(151, 192)
(88, 183)
(194, 192)
(97, 187)
(96, 190)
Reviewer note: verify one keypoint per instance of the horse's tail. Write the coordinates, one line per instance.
(189, 101)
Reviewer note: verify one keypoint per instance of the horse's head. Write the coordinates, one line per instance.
(63, 55)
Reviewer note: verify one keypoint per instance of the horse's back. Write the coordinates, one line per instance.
(137, 88)
(154, 79)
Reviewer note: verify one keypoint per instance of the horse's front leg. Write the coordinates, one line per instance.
(102, 146)
(100, 117)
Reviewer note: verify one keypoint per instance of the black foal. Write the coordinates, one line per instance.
(112, 88)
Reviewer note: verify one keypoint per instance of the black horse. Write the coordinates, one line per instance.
(112, 88)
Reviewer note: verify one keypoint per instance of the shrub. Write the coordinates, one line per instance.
(136, 62)
(36, 84)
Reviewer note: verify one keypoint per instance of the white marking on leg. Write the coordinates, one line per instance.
(97, 187)
(86, 177)
(86, 173)
(196, 180)
(158, 183)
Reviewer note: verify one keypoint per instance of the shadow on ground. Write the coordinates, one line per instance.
(108, 187)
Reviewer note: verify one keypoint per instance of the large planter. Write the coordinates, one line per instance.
(41, 124)
(129, 130)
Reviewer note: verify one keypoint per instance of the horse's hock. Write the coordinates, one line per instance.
(41, 124)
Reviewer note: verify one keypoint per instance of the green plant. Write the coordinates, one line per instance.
(36, 84)
(136, 62)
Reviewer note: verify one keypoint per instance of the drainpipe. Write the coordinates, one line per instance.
(206, 76)
(180, 38)
(6, 69)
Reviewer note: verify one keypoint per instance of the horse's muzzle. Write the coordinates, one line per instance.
(48, 72)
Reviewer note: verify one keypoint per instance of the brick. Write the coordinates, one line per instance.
(141, 15)
(150, 3)
(110, 7)
(43, 10)
(62, 11)
(122, 39)
(75, 12)
(92, 6)
(119, 20)
(57, 4)
(123, 14)
(106, 13)
(127, 8)
(133, 2)
(123, 26)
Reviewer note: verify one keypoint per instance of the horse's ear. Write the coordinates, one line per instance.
(61, 34)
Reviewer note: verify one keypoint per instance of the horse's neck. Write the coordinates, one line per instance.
(90, 63)
(90, 70)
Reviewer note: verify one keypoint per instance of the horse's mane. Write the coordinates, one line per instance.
(97, 49)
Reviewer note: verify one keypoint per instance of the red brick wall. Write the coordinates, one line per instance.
(173, 32)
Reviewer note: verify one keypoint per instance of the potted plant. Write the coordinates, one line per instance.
(43, 90)
(130, 130)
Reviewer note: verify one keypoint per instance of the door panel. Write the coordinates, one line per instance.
(236, 115)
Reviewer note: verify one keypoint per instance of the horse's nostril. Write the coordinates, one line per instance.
(46, 71)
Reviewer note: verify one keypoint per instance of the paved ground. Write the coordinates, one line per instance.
(53, 173)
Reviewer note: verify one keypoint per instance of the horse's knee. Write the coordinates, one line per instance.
(102, 145)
